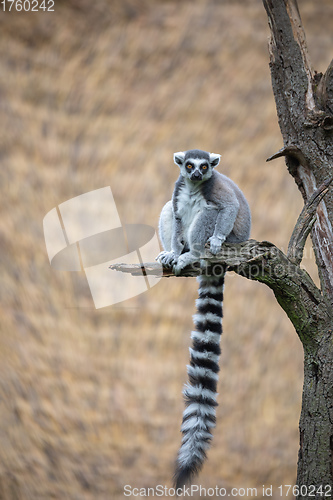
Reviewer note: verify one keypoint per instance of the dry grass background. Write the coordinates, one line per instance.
(103, 94)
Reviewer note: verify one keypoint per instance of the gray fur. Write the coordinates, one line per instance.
(206, 207)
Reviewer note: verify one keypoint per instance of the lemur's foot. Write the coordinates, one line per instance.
(167, 259)
(184, 260)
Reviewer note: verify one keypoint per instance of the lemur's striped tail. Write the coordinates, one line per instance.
(200, 393)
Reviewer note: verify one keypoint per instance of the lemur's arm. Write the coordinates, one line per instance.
(225, 221)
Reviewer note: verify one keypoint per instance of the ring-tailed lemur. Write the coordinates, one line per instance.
(206, 206)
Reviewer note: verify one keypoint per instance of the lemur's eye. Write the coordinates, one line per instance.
(204, 167)
(189, 166)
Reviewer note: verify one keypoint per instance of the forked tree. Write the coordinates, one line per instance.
(304, 103)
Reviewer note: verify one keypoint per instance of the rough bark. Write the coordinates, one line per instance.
(305, 222)
(304, 103)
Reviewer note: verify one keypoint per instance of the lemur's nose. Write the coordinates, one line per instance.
(196, 176)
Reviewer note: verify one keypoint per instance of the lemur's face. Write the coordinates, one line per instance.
(196, 165)
(196, 169)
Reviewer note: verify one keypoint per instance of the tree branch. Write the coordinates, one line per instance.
(292, 152)
(304, 224)
(324, 94)
(264, 262)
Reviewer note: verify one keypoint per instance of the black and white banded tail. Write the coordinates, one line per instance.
(200, 393)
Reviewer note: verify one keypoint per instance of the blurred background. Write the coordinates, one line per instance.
(101, 94)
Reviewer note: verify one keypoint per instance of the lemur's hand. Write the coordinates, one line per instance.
(215, 243)
(167, 259)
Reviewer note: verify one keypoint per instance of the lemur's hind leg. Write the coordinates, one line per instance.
(165, 227)
(200, 232)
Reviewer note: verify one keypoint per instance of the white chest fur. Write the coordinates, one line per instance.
(190, 203)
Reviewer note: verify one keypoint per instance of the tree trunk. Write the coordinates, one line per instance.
(304, 102)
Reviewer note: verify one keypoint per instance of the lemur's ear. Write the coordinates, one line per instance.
(178, 158)
(214, 159)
